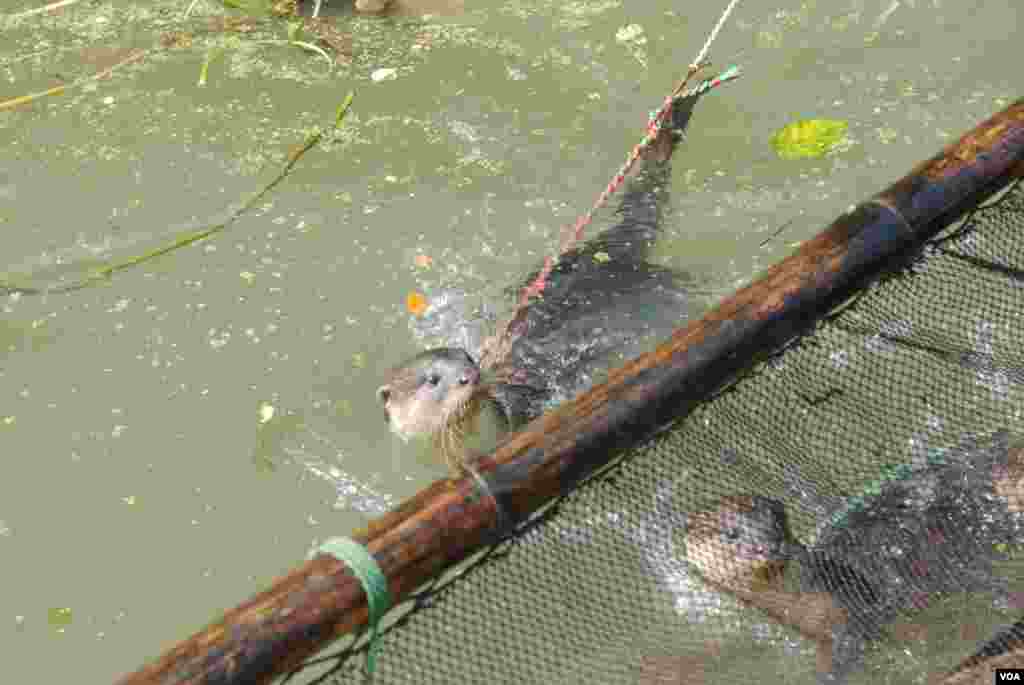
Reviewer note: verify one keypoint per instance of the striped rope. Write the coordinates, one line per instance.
(702, 55)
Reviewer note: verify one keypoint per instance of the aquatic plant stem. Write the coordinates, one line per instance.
(191, 237)
(25, 99)
(183, 241)
(188, 10)
(41, 10)
(204, 71)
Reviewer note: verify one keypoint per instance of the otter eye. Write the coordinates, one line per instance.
(434, 379)
(463, 380)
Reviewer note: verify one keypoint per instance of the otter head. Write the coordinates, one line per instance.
(432, 394)
(742, 544)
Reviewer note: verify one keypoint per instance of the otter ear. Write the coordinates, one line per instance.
(384, 394)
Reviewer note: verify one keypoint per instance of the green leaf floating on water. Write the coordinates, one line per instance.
(809, 138)
(59, 618)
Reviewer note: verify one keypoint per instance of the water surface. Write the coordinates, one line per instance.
(174, 438)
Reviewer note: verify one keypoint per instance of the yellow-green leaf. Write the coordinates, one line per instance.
(809, 138)
(59, 618)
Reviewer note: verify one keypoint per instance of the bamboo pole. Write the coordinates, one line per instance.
(321, 600)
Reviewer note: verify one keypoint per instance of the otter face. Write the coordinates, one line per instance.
(741, 544)
(431, 393)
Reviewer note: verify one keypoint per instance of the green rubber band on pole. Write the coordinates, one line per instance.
(375, 585)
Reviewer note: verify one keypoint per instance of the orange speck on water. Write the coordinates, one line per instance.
(416, 303)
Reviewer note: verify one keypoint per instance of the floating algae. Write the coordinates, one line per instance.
(809, 138)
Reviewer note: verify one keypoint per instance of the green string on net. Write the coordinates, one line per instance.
(375, 585)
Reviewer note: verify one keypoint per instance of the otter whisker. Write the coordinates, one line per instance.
(457, 422)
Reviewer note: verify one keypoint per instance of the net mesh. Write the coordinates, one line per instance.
(872, 464)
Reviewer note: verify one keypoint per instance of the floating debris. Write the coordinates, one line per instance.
(416, 303)
(633, 33)
(384, 74)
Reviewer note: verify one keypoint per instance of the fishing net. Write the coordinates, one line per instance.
(886, 442)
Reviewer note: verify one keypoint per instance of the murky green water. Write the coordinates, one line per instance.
(176, 437)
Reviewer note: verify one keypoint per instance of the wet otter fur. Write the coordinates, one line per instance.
(600, 298)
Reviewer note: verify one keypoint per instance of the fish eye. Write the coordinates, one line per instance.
(434, 379)
(463, 380)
